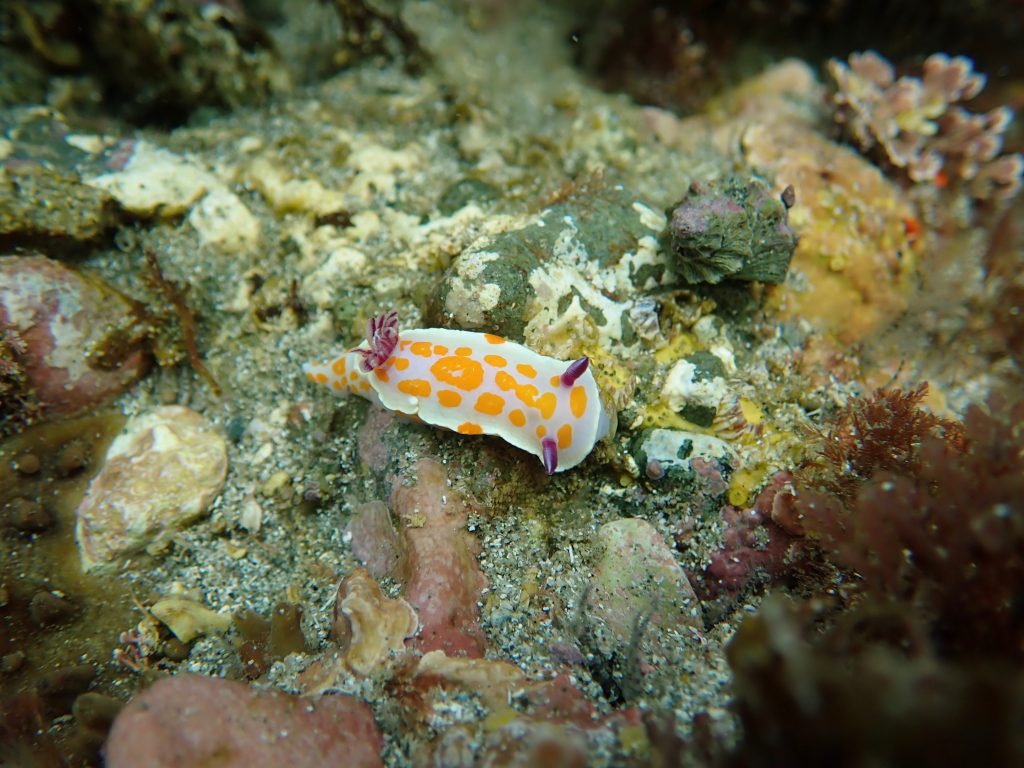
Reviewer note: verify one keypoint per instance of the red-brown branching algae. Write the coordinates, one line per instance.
(911, 653)
(927, 511)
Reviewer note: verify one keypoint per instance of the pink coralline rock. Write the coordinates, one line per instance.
(189, 720)
(762, 539)
(637, 574)
(73, 327)
(370, 627)
(443, 578)
(160, 474)
(374, 539)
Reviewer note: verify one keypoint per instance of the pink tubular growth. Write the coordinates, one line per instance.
(382, 334)
(576, 369)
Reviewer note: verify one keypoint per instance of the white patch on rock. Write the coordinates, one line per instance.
(225, 223)
(155, 181)
(651, 218)
(160, 474)
(681, 388)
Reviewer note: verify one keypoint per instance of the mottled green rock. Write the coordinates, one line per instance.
(735, 229)
(573, 254)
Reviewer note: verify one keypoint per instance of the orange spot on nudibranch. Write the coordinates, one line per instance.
(527, 370)
(339, 366)
(321, 378)
(546, 404)
(404, 344)
(517, 417)
(440, 349)
(492, 339)
(541, 431)
(464, 351)
(449, 399)
(421, 348)
(527, 394)
(337, 383)
(401, 363)
(469, 428)
(490, 404)
(578, 401)
(381, 374)
(504, 381)
(564, 436)
(353, 376)
(415, 387)
(556, 381)
(460, 372)
(496, 360)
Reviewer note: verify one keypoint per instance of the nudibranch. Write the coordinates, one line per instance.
(475, 383)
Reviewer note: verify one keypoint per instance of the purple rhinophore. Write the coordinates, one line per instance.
(550, 449)
(382, 334)
(576, 369)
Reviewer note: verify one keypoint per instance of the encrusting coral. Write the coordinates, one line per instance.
(920, 126)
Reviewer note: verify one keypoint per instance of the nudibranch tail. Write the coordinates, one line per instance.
(382, 336)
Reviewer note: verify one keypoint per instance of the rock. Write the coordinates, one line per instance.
(374, 539)
(735, 229)
(224, 223)
(189, 720)
(637, 575)
(148, 180)
(169, 58)
(370, 626)
(71, 331)
(444, 581)
(188, 619)
(160, 474)
(695, 387)
(83, 214)
(47, 609)
(562, 277)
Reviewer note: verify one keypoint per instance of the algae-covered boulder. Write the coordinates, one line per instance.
(735, 229)
(571, 271)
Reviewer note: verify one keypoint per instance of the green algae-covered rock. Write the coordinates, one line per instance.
(735, 229)
(579, 262)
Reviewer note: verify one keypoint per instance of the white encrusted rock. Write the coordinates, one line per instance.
(160, 475)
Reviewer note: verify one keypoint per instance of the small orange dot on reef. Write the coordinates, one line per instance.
(564, 436)
(469, 428)
(517, 417)
(912, 227)
(492, 339)
(941, 179)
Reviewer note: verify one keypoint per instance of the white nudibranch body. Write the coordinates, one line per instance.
(475, 383)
